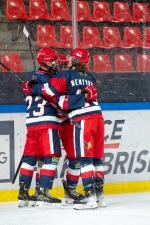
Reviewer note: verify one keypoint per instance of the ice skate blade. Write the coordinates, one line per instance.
(85, 206)
(23, 203)
(68, 200)
(32, 203)
(102, 204)
(47, 204)
(66, 205)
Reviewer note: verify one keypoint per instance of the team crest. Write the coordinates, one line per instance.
(88, 145)
(55, 159)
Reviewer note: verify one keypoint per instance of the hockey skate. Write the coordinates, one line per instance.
(70, 194)
(23, 196)
(45, 199)
(100, 196)
(88, 202)
(33, 198)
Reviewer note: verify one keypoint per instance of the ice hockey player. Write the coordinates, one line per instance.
(42, 139)
(71, 194)
(73, 169)
(83, 140)
(56, 65)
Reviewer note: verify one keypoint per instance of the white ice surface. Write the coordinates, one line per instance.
(127, 209)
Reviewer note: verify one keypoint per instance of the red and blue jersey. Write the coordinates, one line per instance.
(68, 86)
(40, 113)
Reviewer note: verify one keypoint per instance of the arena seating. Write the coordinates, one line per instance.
(101, 11)
(121, 12)
(146, 34)
(111, 37)
(123, 63)
(141, 12)
(46, 36)
(91, 37)
(12, 61)
(143, 63)
(118, 29)
(83, 11)
(38, 10)
(102, 63)
(59, 10)
(15, 9)
(132, 37)
(66, 37)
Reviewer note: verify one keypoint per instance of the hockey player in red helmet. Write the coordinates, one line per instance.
(79, 58)
(42, 140)
(48, 59)
(82, 55)
(82, 141)
(36, 123)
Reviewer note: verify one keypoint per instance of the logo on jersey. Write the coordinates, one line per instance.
(88, 145)
(77, 166)
(55, 159)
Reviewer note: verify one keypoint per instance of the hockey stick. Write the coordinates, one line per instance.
(13, 73)
(17, 171)
(26, 33)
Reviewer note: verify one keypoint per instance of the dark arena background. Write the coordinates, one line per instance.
(117, 35)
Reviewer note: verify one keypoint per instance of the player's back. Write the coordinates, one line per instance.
(76, 82)
(40, 113)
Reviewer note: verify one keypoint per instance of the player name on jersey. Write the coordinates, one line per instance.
(83, 82)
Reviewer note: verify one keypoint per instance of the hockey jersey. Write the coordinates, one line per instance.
(40, 113)
(69, 85)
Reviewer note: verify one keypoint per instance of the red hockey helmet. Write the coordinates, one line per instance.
(81, 54)
(46, 55)
(62, 59)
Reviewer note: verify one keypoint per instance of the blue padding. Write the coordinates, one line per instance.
(104, 106)
(126, 106)
(12, 108)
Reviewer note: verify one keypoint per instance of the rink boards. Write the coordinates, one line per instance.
(127, 149)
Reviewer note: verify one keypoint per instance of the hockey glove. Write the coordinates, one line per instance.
(26, 88)
(90, 93)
